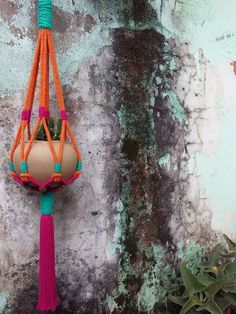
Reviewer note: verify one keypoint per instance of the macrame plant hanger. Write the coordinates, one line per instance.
(24, 160)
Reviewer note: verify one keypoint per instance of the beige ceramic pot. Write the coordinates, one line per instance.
(40, 161)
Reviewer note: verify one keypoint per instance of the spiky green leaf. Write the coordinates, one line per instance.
(230, 268)
(215, 287)
(223, 303)
(191, 282)
(231, 297)
(180, 300)
(58, 131)
(192, 301)
(210, 306)
(230, 287)
(213, 259)
(231, 244)
(205, 278)
(229, 255)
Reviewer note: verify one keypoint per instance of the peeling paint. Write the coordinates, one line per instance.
(191, 254)
(119, 234)
(15, 66)
(163, 161)
(158, 281)
(4, 299)
(189, 21)
(112, 305)
(176, 107)
(86, 48)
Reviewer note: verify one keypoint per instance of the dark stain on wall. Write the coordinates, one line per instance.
(149, 131)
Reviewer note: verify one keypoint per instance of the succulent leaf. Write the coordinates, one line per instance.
(191, 282)
(205, 278)
(211, 307)
(213, 259)
(215, 287)
(192, 301)
(177, 300)
(223, 303)
(231, 244)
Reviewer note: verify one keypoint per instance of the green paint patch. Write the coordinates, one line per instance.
(16, 56)
(191, 254)
(4, 298)
(197, 23)
(158, 281)
(119, 233)
(112, 305)
(65, 6)
(89, 46)
(177, 109)
(164, 160)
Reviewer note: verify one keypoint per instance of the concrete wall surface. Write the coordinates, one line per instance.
(150, 88)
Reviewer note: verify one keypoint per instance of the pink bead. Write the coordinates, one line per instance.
(43, 113)
(26, 114)
(64, 115)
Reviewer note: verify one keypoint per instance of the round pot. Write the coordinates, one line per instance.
(40, 161)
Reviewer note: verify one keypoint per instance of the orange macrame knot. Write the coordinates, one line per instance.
(57, 177)
(25, 176)
(77, 174)
(13, 175)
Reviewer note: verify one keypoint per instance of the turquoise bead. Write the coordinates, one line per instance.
(79, 165)
(46, 203)
(24, 167)
(57, 167)
(11, 166)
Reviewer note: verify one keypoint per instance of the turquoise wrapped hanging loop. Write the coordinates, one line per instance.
(46, 203)
(45, 14)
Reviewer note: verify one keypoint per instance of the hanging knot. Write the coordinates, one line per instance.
(43, 113)
(57, 177)
(26, 115)
(13, 174)
(77, 174)
(64, 115)
(45, 14)
(25, 176)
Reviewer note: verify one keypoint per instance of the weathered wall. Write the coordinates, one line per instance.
(149, 85)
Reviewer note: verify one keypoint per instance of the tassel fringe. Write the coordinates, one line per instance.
(48, 299)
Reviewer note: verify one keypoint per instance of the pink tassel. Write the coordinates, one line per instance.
(48, 299)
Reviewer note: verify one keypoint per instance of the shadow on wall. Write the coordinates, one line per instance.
(125, 13)
(142, 77)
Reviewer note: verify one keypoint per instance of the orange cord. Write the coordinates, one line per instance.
(55, 72)
(54, 155)
(32, 83)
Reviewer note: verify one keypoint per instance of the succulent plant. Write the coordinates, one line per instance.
(54, 126)
(213, 289)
